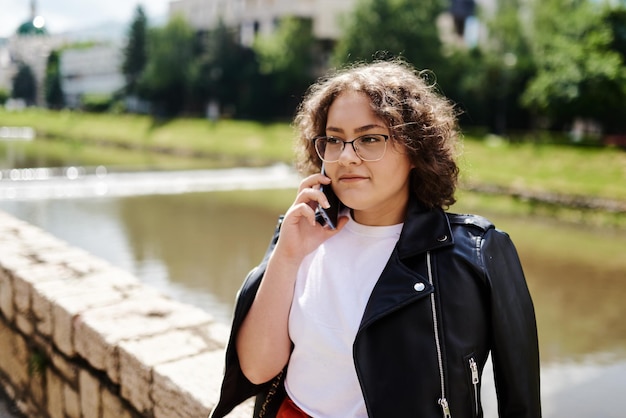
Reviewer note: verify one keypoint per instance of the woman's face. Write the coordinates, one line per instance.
(376, 191)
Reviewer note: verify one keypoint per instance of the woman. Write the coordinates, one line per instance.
(393, 312)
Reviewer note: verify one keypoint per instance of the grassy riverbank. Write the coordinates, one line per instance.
(248, 141)
(598, 173)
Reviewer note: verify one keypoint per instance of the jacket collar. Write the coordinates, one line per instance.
(399, 284)
(424, 230)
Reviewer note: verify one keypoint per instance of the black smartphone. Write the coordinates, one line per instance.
(331, 215)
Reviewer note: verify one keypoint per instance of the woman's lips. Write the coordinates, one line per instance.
(350, 178)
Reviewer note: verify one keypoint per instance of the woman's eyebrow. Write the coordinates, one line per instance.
(333, 129)
(368, 127)
(357, 130)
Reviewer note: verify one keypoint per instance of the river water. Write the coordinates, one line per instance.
(195, 234)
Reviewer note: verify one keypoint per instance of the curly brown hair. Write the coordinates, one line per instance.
(418, 116)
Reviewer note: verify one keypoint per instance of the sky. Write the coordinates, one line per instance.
(69, 15)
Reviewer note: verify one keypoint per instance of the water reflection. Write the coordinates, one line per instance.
(577, 277)
(590, 387)
(581, 307)
(207, 244)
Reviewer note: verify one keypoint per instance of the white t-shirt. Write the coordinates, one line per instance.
(333, 286)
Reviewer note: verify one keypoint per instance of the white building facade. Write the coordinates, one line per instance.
(95, 70)
(261, 16)
(254, 17)
(205, 14)
(31, 50)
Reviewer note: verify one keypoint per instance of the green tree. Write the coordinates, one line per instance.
(135, 54)
(286, 58)
(384, 28)
(491, 76)
(52, 85)
(616, 19)
(24, 85)
(166, 77)
(225, 73)
(579, 73)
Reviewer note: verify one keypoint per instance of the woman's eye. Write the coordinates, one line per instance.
(370, 139)
(333, 141)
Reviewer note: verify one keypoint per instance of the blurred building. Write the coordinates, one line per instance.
(30, 45)
(262, 16)
(6, 69)
(254, 17)
(90, 71)
(204, 15)
(85, 71)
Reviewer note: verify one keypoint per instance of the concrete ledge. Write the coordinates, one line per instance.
(81, 338)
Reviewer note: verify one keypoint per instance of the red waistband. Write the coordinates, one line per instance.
(288, 409)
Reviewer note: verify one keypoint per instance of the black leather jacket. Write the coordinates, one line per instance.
(453, 290)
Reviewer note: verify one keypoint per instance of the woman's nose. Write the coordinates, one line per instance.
(348, 154)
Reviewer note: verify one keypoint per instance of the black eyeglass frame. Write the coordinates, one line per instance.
(343, 147)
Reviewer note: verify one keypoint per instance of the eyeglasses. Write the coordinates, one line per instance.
(370, 147)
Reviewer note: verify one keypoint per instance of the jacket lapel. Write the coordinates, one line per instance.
(398, 285)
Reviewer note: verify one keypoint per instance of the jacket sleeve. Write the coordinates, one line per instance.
(236, 388)
(515, 351)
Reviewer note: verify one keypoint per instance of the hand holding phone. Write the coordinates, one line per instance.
(330, 215)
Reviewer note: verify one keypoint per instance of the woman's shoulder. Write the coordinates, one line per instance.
(470, 220)
(474, 227)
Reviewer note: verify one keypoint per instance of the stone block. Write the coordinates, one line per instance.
(21, 294)
(13, 356)
(215, 335)
(24, 322)
(42, 314)
(72, 402)
(188, 387)
(98, 330)
(6, 295)
(89, 389)
(54, 387)
(24, 281)
(6, 344)
(40, 244)
(43, 273)
(42, 295)
(36, 383)
(138, 357)
(67, 370)
(12, 260)
(63, 329)
(112, 406)
(59, 252)
(79, 295)
(97, 289)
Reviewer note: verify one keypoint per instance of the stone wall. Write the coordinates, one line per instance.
(80, 338)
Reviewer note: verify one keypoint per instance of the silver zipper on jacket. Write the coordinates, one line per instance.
(475, 380)
(443, 402)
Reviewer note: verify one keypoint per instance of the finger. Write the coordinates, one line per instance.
(311, 196)
(313, 181)
(301, 211)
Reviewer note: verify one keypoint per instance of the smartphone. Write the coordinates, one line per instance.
(331, 215)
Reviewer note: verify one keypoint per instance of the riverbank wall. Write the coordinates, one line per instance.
(80, 338)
